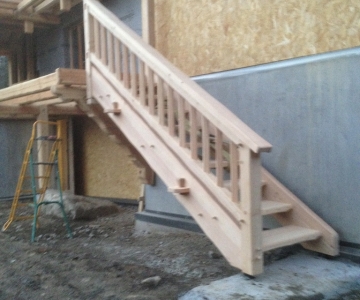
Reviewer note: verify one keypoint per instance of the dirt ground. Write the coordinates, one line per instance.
(104, 260)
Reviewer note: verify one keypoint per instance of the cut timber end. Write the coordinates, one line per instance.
(115, 110)
(181, 188)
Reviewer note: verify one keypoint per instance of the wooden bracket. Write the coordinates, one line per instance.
(181, 188)
(115, 110)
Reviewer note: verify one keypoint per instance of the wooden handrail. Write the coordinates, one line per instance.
(237, 131)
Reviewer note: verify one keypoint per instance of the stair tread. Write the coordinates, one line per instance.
(269, 207)
(287, 235)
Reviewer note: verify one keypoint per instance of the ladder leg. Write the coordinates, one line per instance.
(33, 232)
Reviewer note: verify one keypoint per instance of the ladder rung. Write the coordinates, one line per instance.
(30, 192)
(44, 163)
(47, 138)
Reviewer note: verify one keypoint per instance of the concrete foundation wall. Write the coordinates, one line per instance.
(309, 110)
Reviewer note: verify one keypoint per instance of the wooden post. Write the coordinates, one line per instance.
(44, 148)
(148, 21)
(63, 153)
(251, 224)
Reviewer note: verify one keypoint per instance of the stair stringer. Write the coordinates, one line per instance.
(218, 217)
(300, 215)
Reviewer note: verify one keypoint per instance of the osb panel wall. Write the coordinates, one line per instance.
(106, 167)
(206, 36)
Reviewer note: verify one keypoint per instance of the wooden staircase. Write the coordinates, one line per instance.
(206, 156)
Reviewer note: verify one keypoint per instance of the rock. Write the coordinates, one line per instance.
(151, 281)
(214, 255)
(78, 207)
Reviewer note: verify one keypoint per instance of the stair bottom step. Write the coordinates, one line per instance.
(288, 235)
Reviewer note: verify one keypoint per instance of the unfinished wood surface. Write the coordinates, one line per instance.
(301, 216)
(201, 37)
(148, 21)
(107, 170)
(167, 138)
(286, 236)
(219, 115)
(251, 224)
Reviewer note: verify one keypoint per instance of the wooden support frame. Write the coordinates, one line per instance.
(148, 21)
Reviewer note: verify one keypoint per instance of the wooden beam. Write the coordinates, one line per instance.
(148, 21)
(45, 5)
(21, 112)
(29, 87)
(70, 76)
(26, 4)
(28, 26)
(65, 5)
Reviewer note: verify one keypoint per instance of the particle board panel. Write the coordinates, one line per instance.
(107, 168)
(207, 36)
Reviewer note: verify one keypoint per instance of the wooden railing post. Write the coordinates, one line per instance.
(251, 224)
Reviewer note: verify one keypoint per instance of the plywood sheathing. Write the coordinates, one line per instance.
(107, 169)
(214, 35)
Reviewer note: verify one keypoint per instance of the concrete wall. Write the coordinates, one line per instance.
(14, 136)
(309, 110)
(4, 80)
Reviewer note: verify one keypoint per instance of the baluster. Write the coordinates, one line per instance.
(97, 38)
(103, 43)
(193, 133)
(117, 59)
(205, 141)
(170, 111)
(181, 121)
(142, 83)
(160, 101)
(234, 172)
(219, 157)
(110, 51)
(133, 74)
(150, 90)
(125, 58)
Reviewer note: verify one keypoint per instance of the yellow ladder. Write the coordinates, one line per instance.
(36, 178)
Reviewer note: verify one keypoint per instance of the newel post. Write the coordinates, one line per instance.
(250, 203)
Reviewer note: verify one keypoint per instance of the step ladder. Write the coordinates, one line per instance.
(36, 176)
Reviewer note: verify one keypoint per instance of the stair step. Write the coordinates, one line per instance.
(269, 207)
(287, 235)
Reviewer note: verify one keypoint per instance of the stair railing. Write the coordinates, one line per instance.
(223, 146)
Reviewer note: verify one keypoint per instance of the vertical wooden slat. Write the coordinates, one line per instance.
(170, 111)
(117, 59)
(193, 133)
(80, 36)
(150, 90)
(71, 48)
(148, 21)
(110, 51)
(96, 37)
(234, 173)
(160, 101)
(133, 75)
(142, 83)
(205, 141)
(125, 58)
(250, 204)
(219, 157)
(181, 121)
(103, 45)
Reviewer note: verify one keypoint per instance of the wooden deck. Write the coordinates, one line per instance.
(59, 91)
